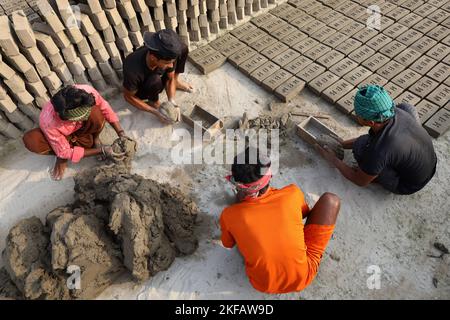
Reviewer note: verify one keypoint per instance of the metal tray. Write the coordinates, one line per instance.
(207, 122)
(311, 128)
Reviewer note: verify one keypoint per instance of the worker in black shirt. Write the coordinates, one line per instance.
(397, 152)
(154, 67)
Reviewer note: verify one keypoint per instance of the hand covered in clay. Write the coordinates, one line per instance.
(178, 114)
(170, 111)
(178, 110)
(326, 153)
(109, 153)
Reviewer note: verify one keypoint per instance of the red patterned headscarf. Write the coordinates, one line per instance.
(251, 190)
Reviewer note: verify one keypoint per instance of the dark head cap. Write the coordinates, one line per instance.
(165, 43)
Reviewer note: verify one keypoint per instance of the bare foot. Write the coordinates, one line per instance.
(184, 86)
(59, 169)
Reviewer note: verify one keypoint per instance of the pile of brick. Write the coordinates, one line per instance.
(327, 45)
(46, 44)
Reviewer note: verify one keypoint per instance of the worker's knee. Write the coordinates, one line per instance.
(332, 201)
(35, 141)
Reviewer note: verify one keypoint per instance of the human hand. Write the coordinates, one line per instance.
(326, 153)
(178, 114)
(337, 138)
(163, 118)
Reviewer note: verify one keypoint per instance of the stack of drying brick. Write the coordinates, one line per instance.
(46, 44)
(158, 13)
(183, 30)
(13, 83)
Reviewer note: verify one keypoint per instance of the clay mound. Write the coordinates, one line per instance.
(152, 222)
(8, 290)
(82, 241)
(180, 214)
(119, 221)
(27, 260)
(127, 145)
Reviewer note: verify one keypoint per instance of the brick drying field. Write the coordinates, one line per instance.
(327, 46)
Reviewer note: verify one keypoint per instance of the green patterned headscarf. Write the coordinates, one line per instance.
(78, 114)
(372, 102)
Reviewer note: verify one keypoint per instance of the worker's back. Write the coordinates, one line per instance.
(268, 231)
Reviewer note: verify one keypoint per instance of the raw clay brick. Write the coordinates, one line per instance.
(264, 71)
(343, 67)
(263, 43)
(323, 81)
(330, 58)
(407, 97)
(345, 104)
(298, 64)
(289, 89)
(337, 90)
(393, 89)
(423, 65)
(276, 79)
(310, 72)
(357, 75)
(210, 63)
(439, 123)
(286, 57)
(425, 110)
(440, 96)
(274, 50)
(252, 64)
(242, 55)
(374, 79)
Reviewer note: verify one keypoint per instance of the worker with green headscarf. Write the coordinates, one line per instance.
(397, 153)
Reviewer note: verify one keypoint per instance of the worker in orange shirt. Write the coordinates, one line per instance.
(281, 254)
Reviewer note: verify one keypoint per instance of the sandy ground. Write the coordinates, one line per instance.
(395, 233)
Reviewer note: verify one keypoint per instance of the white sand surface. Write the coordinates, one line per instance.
(395, 233)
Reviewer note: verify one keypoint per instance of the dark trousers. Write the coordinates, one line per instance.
(155, 84)
(388, 178)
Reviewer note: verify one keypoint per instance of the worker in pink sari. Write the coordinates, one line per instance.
(70, 125)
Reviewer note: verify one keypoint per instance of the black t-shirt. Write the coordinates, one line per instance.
(138, 77)
(403, 146)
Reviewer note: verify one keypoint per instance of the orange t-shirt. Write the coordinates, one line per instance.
(268, 231)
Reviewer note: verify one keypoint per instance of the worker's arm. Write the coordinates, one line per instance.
(92, 152)
(226, 237)
(348, 144)
(118, 128)
(130, 97)
(171, 86)
(357, 176)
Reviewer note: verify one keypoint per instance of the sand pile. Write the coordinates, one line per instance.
(119, 222)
